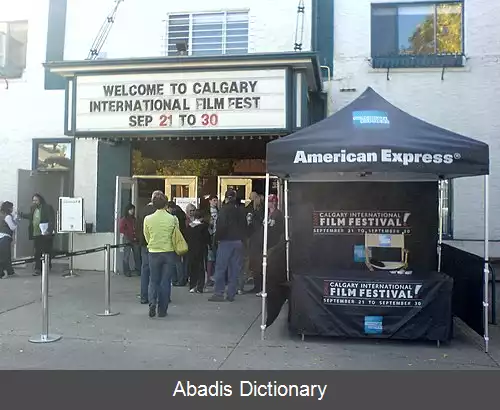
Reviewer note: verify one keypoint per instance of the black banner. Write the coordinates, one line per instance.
(328, 222)
(466, 270)
(372, 304)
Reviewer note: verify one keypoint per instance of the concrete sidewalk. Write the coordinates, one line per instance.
(196, 334)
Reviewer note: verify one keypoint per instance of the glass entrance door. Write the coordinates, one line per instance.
(242, 186)
(126, 191)
(185, 187)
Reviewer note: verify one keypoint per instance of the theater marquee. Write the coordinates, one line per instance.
(224, 100)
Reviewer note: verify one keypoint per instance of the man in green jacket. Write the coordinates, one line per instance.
(41, 229)
(158, 231)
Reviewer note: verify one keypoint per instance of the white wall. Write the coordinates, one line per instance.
(466, 102)
(26, 110)
(140, 27)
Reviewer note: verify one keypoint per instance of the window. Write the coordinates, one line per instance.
(418, 30)
(447, 206)
(52, 155)
(13, 44)
(208, 34)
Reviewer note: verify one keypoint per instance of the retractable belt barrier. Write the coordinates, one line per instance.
(23, 261)
(45, 336)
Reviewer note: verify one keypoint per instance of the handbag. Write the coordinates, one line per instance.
(179, 243)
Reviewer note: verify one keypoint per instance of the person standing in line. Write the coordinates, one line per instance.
(276, 226)
(275, 221)
(212, 251)
(41, 230)
(230, 234)
(256, 234)
(158, 232)
(198, 240)
(147, 210)
(8, 226)
(180, 276)
(128, 225)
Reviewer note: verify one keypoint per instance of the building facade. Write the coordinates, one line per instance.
(438, 61)
(61, 30)
(375, 43)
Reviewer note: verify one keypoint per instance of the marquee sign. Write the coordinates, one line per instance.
(236, 100)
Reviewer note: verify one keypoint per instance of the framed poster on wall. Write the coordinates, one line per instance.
(70, 215)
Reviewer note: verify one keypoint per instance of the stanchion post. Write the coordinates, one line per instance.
(107, 284)
(45, 337)
(71, 273)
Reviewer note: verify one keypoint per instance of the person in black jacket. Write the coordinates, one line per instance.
(147, 210)
(230, 235)
(41, 229)
(198, 240)
(180, 279)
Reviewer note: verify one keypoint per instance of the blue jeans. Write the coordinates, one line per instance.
(230, 260)
(180, 276)
(162, 269)
(136, 250)
(144, 273)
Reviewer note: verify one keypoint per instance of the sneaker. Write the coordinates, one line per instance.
(258, 294)
(37, 273)
(162, 314)
(192, 290)
(230, 299)
(152, 310)
(144, 301)
(216, 298)
(240, 292)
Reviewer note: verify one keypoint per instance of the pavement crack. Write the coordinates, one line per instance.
(239, 341)
(19, 306)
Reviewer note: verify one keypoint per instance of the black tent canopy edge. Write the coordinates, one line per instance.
(370, 139)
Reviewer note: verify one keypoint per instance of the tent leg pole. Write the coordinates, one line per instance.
(264, 261)
(441, 188)
(486, 263)
(287, 232)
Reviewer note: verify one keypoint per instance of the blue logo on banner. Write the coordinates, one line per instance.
(359, 253)
(370, 119)
(373, 325)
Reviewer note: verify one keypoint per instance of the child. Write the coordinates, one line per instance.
(198, 240)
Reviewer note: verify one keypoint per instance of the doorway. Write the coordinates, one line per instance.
(126, 191)
(181, 187)
(244, 186)
(51, 185)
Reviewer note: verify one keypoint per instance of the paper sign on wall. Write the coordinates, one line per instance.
(71, 215)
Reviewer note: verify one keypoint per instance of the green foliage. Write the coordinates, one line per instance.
(197, 167)
(448, 33)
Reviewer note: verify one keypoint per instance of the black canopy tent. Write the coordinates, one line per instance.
(372, 140)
